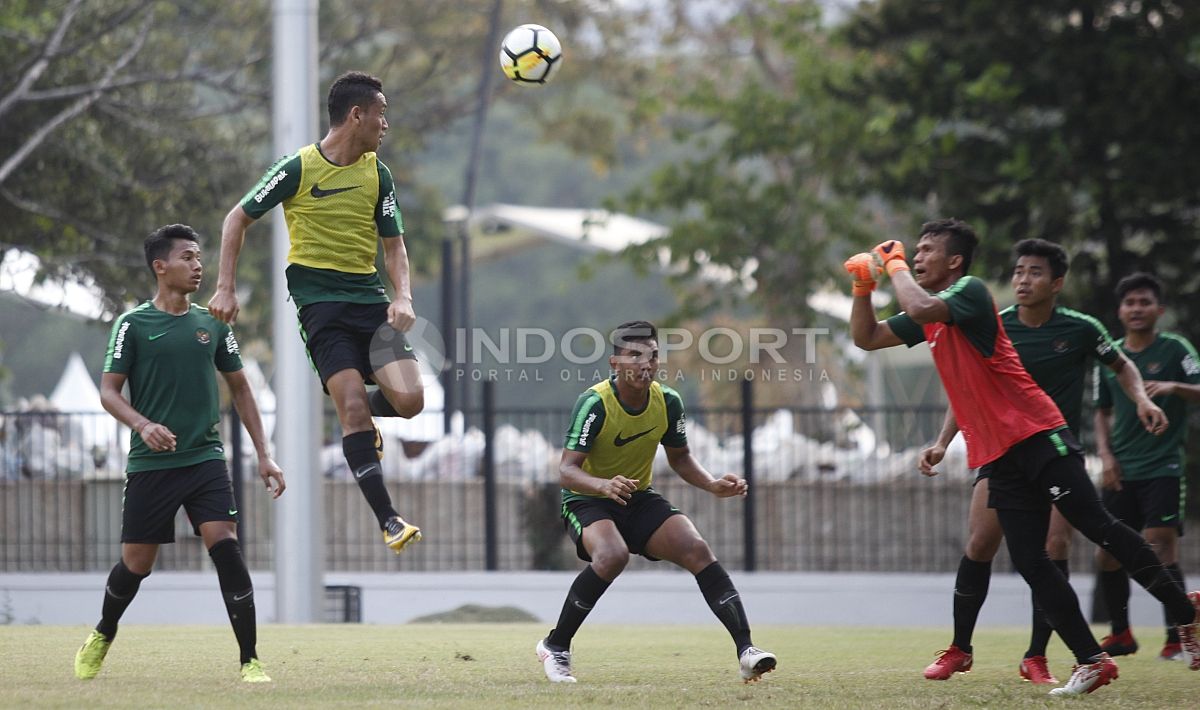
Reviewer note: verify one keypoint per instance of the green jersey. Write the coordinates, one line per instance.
(622, 441)
(1056, 355)
(1141, 454)
(169, 361)
(335, 215)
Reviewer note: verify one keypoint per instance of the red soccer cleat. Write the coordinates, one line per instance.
(1122, 644)
(1034, 670)
(949, 662)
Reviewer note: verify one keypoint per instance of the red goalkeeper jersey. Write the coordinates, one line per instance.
(995, 401)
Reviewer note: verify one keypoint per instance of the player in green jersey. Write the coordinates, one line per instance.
(610, 510)
(1056, 346)
(1143, 482)
(165, 350)
(338, 200)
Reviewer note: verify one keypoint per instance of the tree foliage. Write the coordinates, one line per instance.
(1070, 120)
(113, 126)
(763, 191)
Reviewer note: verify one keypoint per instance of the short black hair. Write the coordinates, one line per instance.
(1055, 255)
(634, 331)
(1137, 281)
(354, 88)
(160, 242)
(961, 240)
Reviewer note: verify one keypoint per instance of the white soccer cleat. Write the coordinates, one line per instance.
(1189, 637)
(754, 662)
(1089, 676)
(556, 663)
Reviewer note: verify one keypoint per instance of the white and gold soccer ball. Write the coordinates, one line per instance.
(530, 55)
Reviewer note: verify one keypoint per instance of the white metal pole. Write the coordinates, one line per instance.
(298, 529)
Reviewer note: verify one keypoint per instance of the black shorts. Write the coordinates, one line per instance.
(350, 336)
(153, 497)
(1015, 479)
(637, 520)
(1148, 503)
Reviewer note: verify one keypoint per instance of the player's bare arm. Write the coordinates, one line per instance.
(868, 332)
(1110, 472)
(572, 477)
(247, 408)
(932, 455)
(401, 315)
(1149, 413)
(1160, 388)
(224, 303)
(156, 436)
(689, 469)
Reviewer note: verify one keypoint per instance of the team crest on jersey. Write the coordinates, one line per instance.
(1060, 346)
(203, 336)
(1154, 368)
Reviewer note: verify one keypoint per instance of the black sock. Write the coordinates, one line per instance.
(1140, 563)
(585, 592)
(119, 591)
(1177, 575)
(380, 406)
(723, 599)
(238, 592)
(970, 591)
(363, 456)
(1115, 587)
(1042, 630)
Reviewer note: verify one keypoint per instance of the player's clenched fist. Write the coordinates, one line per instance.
(891, 255)
(864, 269)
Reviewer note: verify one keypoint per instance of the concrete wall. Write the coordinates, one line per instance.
(660, 597)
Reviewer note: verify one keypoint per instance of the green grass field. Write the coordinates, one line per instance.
(493, 666)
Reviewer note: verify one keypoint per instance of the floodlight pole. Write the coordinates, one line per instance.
(299, 549)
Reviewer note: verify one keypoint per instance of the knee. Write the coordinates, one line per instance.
(1106, 562)
(357, 415)
(1164, 543)
(610, 561)
(1058, 546)
(697, 556)
(141, 566)
(408, 404)
(982, 547)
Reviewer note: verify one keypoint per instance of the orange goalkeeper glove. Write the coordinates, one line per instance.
(891, 255)
(864, 268)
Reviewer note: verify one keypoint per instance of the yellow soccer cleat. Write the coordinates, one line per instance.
(397, 533)
(252, 672)
(91, 655)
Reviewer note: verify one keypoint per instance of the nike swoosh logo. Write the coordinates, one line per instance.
(1165, 518)
(407, 348)
(236, 598)
(233, 511)
(318, 193)
(156, 337)
(728, 599)
(621, 441)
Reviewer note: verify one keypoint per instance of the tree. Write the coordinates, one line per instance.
(117, 126)
(1068, 120)
(763, 192)
(121, 115)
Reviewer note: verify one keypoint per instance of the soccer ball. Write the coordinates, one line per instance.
(530, 55)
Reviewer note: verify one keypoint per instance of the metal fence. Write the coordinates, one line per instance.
(831, 490)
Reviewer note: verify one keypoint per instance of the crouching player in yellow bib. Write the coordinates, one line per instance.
(610, 509)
